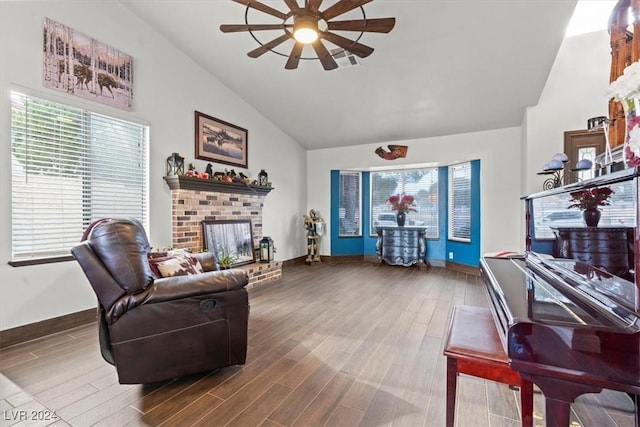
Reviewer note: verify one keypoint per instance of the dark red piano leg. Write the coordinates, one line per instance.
(526, 399)
(558, 396)
(557, 412)
(452, 379)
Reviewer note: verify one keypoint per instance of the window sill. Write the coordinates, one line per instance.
(38, 261)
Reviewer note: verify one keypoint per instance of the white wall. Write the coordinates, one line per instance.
(168, 88)
(574, 92)
(499, 154)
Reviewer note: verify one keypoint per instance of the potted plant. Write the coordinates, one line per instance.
(225, 259)
(402, 203)
(588, 201)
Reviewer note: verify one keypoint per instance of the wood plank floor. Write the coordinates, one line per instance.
(341, 344)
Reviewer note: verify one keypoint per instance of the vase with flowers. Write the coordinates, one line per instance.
(626, 90)
(402, 203)
(588, 201)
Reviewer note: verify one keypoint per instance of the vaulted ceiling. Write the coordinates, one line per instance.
(448, 66)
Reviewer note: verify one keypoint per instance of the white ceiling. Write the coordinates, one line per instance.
(448, 66)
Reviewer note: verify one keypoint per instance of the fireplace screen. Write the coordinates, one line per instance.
(229, 239)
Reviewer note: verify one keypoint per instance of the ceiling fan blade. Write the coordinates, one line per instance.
(262, 8)
(341, 7)
(378, 25)
(294, 56)
(314, 5)
(268, 46)
(293, 4)
(356, 48)
(238, 28)
(324, 56)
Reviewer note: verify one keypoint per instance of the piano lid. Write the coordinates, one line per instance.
(563, 292)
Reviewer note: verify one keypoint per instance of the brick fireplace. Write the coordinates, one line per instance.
(194, 200)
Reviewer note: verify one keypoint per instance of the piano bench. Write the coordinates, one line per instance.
(473, 347)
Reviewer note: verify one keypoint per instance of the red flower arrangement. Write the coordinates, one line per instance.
(590, 198)
(402, 202)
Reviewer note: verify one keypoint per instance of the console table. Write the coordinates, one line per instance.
(610, 248)
(402, 246)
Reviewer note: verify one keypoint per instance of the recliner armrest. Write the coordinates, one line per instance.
(177, 287)
(180, 287)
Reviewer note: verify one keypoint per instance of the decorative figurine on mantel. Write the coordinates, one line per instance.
(315, 229)
(191, 171)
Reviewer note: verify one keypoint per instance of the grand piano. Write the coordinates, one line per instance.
(568, 326)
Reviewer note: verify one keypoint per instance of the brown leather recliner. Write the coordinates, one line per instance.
(154, 329)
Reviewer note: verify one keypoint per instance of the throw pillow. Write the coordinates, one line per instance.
(180, 265)
(156, 256)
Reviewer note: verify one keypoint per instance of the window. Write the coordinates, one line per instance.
(420, 183)
(552, 211)
(69, 167)
(349, 211)
(460, 202)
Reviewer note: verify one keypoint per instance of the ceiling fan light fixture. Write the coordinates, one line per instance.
(305, 29)
(310, 26)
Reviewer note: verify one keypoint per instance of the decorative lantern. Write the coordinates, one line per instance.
(263, 178)
(175, 165)
(266, 249)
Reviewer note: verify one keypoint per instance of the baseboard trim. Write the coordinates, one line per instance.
(354, 258)
(31, 331)
(343, 258)
(474, 271)
(293, 261)
(324, 258)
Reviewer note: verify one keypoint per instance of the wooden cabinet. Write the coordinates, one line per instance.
(402, 246)
(610, 248)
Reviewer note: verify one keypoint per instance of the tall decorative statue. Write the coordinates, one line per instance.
(315, 229)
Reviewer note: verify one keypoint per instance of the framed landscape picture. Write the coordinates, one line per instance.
(219, 141)
(78, 64)
(229, 239)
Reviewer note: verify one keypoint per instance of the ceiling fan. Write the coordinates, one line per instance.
(308, 25)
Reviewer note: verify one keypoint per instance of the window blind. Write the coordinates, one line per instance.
(421, 183)
(70, 167)
(460, 202)
(349, 213)
(553, 211)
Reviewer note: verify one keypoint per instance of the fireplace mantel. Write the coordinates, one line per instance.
(181, 182)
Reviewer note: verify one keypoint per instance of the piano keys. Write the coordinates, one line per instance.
(567, 326)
